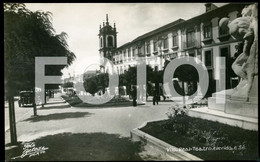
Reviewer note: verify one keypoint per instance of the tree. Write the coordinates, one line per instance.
(90, 85)
(186, 73)
(130, 77)
(96, 83)
(27, 35)
(67, 85)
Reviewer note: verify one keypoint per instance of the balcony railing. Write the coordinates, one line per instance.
(191, 44)
(140, 55)
(224, 37)
(155, 52)
(165, 50)
(175, 47)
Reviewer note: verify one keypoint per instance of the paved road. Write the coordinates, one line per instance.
(59, 117)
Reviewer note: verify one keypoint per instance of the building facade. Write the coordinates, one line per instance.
(199, 37)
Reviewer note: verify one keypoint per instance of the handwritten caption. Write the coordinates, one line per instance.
(30, 150)
(226, 148)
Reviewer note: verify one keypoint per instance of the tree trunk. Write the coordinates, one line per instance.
(12, 122)
(34, 104)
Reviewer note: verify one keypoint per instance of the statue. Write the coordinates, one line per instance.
(245, 28)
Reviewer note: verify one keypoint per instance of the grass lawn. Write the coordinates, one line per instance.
(77, 102)
(188, 132)
(80, 147)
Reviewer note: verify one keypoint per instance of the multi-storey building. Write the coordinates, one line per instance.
(199, 37)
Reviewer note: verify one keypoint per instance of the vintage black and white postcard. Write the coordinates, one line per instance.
(131, 81)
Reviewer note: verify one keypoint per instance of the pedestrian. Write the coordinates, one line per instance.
(49, 93)
(155, 97)
(134, 95)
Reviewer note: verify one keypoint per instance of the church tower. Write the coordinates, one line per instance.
(107, 39)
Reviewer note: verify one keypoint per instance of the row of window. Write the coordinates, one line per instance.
(208, 57)
(207, 31)
(164, 43)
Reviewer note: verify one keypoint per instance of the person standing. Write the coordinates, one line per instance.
(155, 97)
(134, 91)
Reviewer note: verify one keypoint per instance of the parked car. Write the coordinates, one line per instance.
(26, 98)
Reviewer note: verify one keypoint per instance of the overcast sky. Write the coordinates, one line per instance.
(81, 22)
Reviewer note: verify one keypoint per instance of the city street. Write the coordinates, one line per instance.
(58, 117)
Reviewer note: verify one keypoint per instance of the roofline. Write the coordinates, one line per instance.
(179, 23)
(215, 10)
(136, 39)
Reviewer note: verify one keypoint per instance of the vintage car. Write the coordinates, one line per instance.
(26, 98)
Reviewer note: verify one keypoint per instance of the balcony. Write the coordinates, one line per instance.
(140, 55)
(224, 37)
(165, 50)
(155, 52)
(207, 40)
(191, 44)
(175, 47)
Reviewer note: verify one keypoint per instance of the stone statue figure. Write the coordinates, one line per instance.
(245, 28)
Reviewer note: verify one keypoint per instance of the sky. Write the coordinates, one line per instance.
(81, 22)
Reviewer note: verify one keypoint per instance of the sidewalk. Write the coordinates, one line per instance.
(57, 119)
(57, 101)
(21, 113)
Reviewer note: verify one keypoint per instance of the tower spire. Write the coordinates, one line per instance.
(114, 26)
(107, 23)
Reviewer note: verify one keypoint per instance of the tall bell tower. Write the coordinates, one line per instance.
(107, 39)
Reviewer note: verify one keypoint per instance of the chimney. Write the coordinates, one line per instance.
(210, 7)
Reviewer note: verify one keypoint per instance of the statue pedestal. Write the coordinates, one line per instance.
(222, 117)
(233, 110)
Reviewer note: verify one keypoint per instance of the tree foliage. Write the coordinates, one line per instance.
(27, 35)
(67, 85)
(96, 83)
(186, 73)
(129, 78)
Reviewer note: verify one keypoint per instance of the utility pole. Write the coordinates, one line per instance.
(12, 122)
